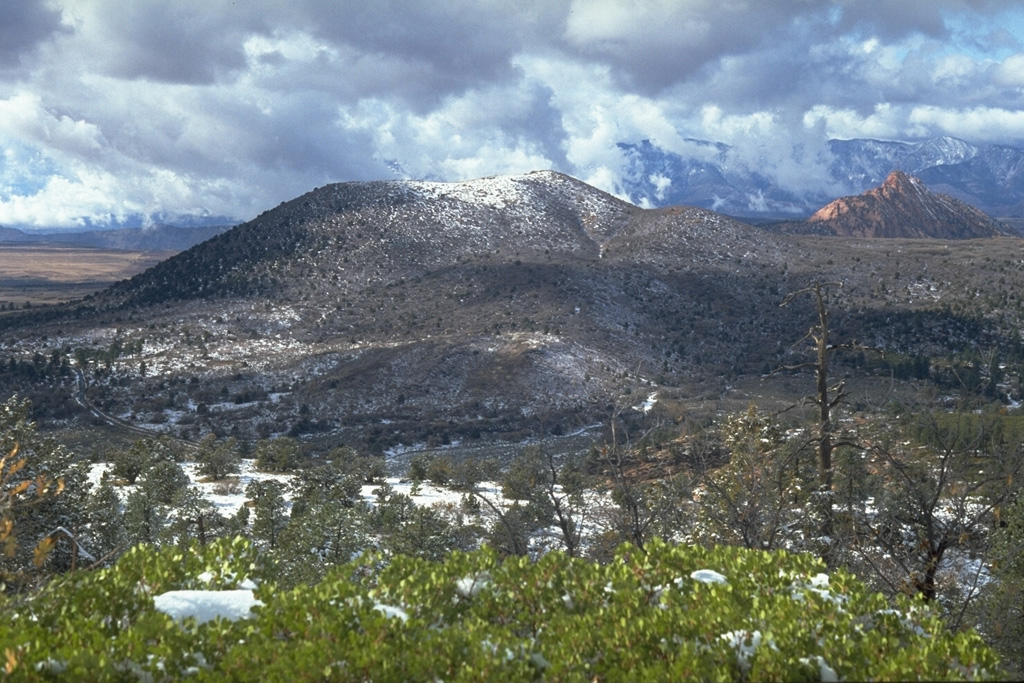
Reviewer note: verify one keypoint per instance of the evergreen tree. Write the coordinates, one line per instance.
(549, 493)
(941, 479)
(144, 517)
(194, 519)
(750, 501)
(106, 535)
(270, 512)
(34, 514)
(1002, 610)
(65, 520)
(337, 481)
(163, 480)
(328, 534)
(130, 464)
(426, 532)
(277, 455)
(218, 458)
(238, 524)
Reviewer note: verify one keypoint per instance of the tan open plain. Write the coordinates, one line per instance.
(52, 274)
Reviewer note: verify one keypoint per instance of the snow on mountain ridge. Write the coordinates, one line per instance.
(941, 151)
(531, 201)
(498, 192)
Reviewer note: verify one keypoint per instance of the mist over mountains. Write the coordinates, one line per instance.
(714, 176)
(157, 237)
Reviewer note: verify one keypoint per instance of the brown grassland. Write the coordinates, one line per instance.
(50, 274)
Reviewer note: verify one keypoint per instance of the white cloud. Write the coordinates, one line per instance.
(979, 123)
(955, 70)
(733, 128)
(1011, 71)
(114, 107)
(65, 202)
(463, 139)
(661, 185)
(23, 118)
(844, 124)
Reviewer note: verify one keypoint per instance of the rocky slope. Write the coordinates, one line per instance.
(903, 207)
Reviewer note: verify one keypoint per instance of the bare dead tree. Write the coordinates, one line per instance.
(825, 398)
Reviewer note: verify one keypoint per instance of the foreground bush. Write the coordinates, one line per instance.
(676, 613)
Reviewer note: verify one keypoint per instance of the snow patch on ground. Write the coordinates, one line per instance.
(206, 605)
(708, 576)
(648, 404)
(229, 495)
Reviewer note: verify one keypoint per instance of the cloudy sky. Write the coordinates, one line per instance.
(113, 109)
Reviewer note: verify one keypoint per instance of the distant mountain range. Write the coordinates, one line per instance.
(713, 176)
(156, 238)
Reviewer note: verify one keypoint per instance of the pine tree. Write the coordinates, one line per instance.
(163, 480)
(218, 458)
(328, 535)
(271, 515)
(332, 482)
(277, 455)
(32, 479)
(130, 464)
(1002, 610)
(194, 518)
(144, 517)
(749, 501)
(106, 535)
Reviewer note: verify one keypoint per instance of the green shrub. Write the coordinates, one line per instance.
(675, 613)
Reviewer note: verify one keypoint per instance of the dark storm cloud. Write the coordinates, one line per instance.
(170, 42)
(892, 20)
(542, 121)
(663, 43)
(23, 24)
(656, 44)
(428, 50)
(422, 50)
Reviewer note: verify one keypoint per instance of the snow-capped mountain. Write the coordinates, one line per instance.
(714, 176)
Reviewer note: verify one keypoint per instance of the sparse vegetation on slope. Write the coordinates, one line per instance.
(386, 314)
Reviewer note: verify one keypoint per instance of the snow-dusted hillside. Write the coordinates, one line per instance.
(401, 312)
